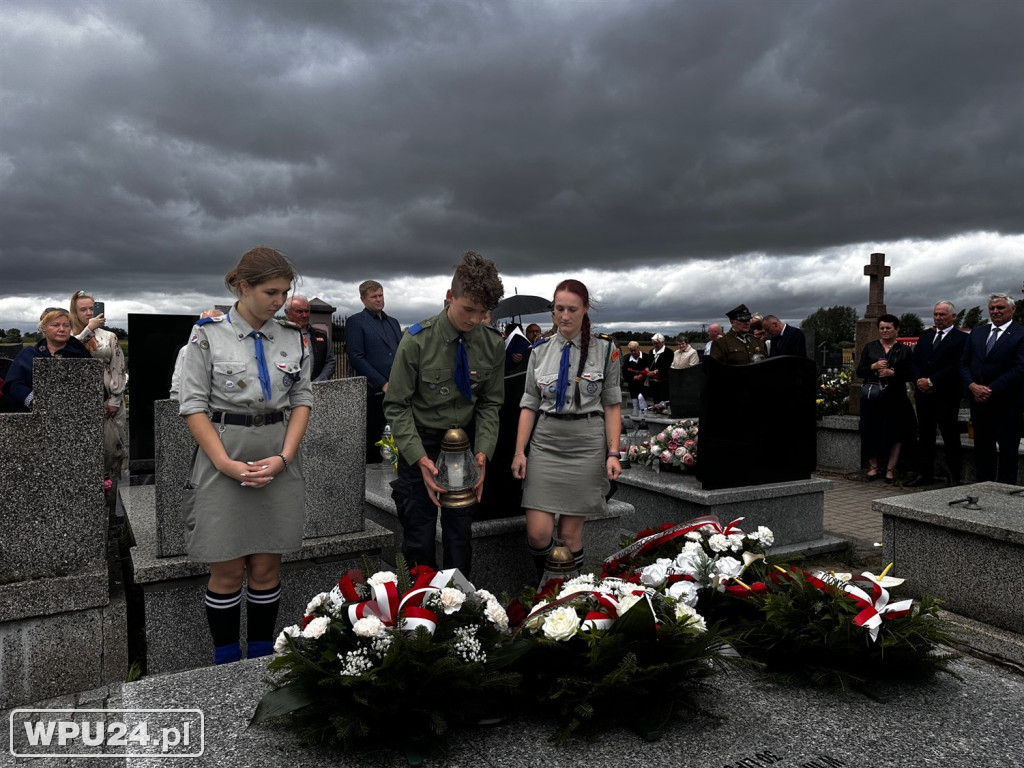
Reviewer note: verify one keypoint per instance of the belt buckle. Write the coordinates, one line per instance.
(258, 420)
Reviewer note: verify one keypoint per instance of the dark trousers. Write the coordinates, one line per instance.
(996, 424)
(418, 516)
(375, 422)
(943, 413)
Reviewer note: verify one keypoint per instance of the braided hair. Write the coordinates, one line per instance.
(579, 289)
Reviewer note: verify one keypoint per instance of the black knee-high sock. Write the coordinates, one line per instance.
(261, 612)
(540, 556)
(223, 612)
(578, 557)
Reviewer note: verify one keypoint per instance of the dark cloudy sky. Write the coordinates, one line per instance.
(679, 157)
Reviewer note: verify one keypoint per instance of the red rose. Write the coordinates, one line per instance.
(666, 526)
(550, 588)
(516, 613)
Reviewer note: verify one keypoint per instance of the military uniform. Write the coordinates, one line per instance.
(736, 349)
(566, 472)
(421, 403)
(220, 376)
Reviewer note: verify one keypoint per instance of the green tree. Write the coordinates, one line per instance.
(973, 317)
(958, 321)
(910, 325)
(832, 325)
(121, 333)
(13, 336)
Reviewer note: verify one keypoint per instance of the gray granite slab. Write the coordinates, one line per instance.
(752, 720)
(972, 560)
(331, 464)
(51, 489)
(150, 568)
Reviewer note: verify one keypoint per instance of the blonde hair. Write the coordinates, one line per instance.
(52, 313)
(77, 326)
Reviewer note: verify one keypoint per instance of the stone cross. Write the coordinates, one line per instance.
(877, 271)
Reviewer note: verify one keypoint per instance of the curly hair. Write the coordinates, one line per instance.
(477, 278)
(259, 265)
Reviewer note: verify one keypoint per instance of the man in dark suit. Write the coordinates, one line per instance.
(371, 340)
(296, 309)
(992, 373)
(935, 371)
(784, 339)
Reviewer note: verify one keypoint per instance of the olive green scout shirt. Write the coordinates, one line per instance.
(422, 392)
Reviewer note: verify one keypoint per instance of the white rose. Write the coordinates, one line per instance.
(718, 542)
(368, 626)
(695, 622)
(316, 602)
(680, 452)
(628, 601)
(382, 577)
(654, 575)
(534, 622)
(561, 623)
(281, 644)
(684, 592)
(316, 627)
(728, 567)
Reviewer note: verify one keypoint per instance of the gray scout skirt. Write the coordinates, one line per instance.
(565, 472)
(224, 519)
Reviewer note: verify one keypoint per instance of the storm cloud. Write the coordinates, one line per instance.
(680, 156)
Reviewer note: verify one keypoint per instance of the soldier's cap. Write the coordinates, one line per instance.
(740, 313)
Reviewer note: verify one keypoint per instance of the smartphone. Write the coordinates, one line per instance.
(97, 308)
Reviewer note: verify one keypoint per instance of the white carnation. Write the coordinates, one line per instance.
(368, 626)
(316, 602)
(736, 542)
(382, 577)
(281, 644)
(316, 627)
(496, 614)
(764, 535)
(452, 599)
(718, 542)
(694, 536)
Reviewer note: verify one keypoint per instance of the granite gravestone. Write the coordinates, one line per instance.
(757, 423)
(684, 389)
(153, 344)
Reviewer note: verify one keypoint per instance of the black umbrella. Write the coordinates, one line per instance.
(521, 304)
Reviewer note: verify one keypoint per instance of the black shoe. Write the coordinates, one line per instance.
(919, 481)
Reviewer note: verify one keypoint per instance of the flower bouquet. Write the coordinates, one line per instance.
(701, 552)
(675, 446)
(592, 650)
(391, 660)
(833, 393)
(841, 629)
(388, 447)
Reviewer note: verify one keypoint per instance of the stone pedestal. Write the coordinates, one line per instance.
(971, 559)
(795, 511)
(174, 588)
(58, 623)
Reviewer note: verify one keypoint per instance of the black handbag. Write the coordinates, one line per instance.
(871, 390)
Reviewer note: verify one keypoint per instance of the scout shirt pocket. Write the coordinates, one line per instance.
(591, 384)
(288, 373)
(229, 377)
(546, 386)
(436, 384)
